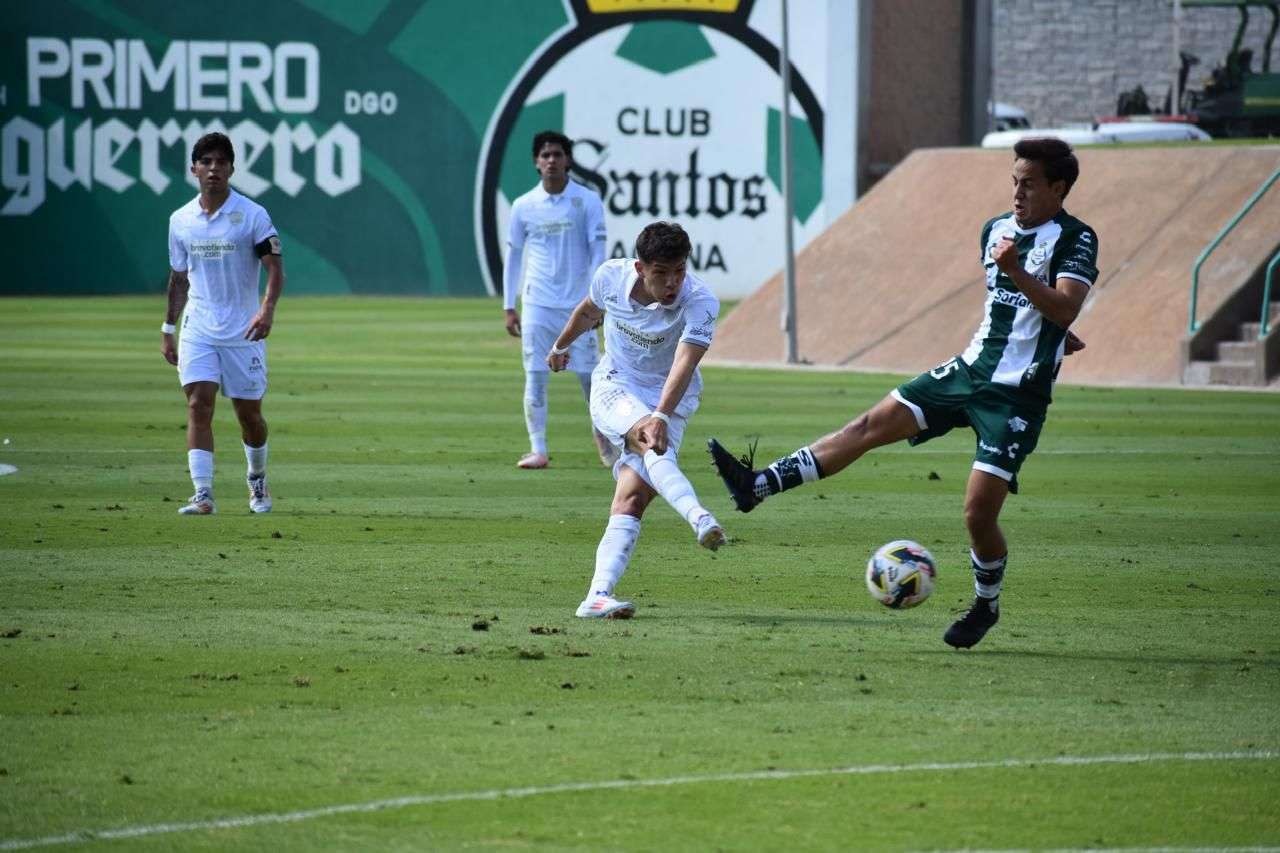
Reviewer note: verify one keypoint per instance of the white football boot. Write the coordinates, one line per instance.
(201, 503)
(601, 606)
(533, 461)
(709, 532)
(259, 495)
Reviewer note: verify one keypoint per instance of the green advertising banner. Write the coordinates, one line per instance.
(387, 138)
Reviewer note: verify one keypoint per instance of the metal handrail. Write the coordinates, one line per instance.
(1266, 297)
(1192, 325)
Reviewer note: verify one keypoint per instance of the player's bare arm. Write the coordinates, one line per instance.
(1059, 304)
(513, 322)
(179, 288)
(511, 282)
(585, 317)
(260, 327)
(653, 430)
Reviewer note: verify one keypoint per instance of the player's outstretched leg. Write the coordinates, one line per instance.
(675, 488)
(884, 423)
(749, 487)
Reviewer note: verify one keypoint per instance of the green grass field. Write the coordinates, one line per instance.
(390, 661)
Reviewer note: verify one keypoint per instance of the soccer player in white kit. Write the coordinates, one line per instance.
(216, 243)
(557, 233)
(658, 322)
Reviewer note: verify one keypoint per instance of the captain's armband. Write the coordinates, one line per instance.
(269, 246)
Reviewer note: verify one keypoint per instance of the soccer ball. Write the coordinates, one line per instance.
(901, 573)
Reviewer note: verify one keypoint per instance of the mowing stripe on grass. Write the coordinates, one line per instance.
(1120, 850)
(81, 836)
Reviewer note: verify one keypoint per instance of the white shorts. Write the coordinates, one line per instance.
(618, 405)
(240, 370)
(539, 329)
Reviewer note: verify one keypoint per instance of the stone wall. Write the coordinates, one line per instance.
(1066, 61)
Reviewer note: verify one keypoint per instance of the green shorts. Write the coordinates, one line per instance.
(1007, 422)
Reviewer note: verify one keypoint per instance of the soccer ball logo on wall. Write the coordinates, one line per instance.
(901, 574)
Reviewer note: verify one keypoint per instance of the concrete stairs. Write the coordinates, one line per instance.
(1241, 361)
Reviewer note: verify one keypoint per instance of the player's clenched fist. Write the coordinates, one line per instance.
(557, 361)
(1005, 255)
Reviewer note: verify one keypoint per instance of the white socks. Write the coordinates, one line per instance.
(256, 459)
(614, 553)
(535, 409)
(200, 464)
(673, 485)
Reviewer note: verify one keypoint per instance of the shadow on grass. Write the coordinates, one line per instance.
(1100, 657)
(797, 619)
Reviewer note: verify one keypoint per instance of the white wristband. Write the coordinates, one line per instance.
(662, 416)
(168, 328)
(555, 350)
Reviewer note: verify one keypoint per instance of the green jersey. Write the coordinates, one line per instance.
(1016, 346)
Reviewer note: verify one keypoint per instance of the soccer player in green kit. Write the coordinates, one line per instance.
(1040, 265)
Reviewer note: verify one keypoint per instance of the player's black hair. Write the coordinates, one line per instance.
(1054, 156)
(663, 241)
(554, 137)
(211, 142)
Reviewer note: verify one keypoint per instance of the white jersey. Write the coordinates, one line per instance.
(559, 235)
(640, 340)
(218, 254)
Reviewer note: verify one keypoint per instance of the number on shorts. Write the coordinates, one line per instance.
(942, 371)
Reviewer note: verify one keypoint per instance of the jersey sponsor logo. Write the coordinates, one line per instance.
(639, 337)
(1010, 297)
(211, 250)
(554, 227)
(700, 331)
(987, 448)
